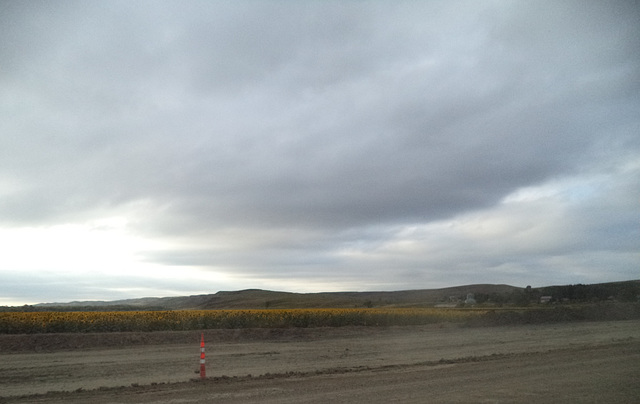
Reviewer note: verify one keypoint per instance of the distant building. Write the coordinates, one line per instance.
(470, 299)
(545, 299)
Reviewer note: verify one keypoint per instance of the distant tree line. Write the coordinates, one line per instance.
(628, 291)
(618, 291)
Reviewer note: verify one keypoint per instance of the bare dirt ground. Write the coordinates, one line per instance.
(590, 362)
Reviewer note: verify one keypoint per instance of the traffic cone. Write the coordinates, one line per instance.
(203, 373)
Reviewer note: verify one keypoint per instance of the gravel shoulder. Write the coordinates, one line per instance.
(568, 362)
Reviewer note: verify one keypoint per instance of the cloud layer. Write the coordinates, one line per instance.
(320, 145)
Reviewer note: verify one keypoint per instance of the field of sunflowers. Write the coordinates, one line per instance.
(119, 321)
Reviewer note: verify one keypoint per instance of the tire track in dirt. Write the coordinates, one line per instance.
(605, 373)
(307, 351)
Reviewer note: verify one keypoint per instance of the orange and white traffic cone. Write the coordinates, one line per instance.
(203, 373)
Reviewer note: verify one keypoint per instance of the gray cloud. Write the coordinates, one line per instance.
(296, 131)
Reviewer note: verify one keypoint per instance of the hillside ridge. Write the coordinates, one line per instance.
(268, 299)
(261, 298)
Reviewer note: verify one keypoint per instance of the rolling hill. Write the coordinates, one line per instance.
(266, 299)
(261, 299)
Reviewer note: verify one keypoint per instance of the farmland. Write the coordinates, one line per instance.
(564, 353)
(560, 362)
(182, 320)
(185, 320)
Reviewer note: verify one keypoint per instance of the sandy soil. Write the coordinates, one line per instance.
(570, 362)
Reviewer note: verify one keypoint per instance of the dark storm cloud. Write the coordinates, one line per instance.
(298, 130)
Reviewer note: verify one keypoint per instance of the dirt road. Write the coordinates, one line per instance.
(572, 362)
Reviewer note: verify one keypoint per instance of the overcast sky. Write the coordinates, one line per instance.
(159, 148)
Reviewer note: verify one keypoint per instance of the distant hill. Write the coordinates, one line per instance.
(261, 299)
(266, 299)
(255, 298)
